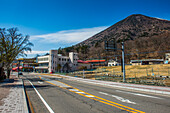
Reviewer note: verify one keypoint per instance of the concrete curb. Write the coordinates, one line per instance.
(151, 89)
(26, 110)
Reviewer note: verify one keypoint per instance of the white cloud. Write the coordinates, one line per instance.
(68, 36)
(37, 52)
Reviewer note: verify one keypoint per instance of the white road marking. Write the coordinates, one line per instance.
(45, 103)
(73, 90)
(119, 98)
(139, 94)
(89, 95)
(40, 82)
(79, 92)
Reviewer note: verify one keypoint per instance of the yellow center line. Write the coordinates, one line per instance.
(105, 99)
(99, 99)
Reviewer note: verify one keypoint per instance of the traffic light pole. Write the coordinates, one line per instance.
(123, 61)
(18, 68)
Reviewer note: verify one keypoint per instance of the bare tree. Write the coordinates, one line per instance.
(13, 45)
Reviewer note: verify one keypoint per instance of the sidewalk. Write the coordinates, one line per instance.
(12, 97)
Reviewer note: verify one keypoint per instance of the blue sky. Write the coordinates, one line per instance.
(61, 23)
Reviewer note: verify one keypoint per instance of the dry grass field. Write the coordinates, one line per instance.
(143, 74)
(142, 70)
(131, 71)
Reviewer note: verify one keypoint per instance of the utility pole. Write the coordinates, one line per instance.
(123, 61)
(110, 45)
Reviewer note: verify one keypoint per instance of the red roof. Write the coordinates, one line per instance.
(95, 61)
(17, 68)
(84, 62)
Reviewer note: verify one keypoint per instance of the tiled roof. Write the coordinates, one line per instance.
(95, 61)
(84, 62)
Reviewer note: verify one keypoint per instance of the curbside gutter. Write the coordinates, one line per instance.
(26, 110)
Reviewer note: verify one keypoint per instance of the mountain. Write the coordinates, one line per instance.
(144, 37)
(132, 27)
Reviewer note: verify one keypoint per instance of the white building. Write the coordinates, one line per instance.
(167, 57)
(43, 62)
(74, 60)
(55, 62)
(113, 63)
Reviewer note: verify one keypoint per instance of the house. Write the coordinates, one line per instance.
(167, 57)
(147, 61)
(55, 62)
(83, 65)
(97, 63)
(113, 63)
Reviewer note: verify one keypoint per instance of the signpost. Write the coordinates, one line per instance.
(111, 45)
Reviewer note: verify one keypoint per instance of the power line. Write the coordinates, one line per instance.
(141, 53)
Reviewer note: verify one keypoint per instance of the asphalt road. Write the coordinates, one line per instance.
(59, 95)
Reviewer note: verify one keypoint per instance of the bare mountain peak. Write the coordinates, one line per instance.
(133, 27)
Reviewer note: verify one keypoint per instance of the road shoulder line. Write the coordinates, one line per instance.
(45, 103)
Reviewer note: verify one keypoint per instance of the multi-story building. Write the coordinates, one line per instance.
(43, 64)
(74, 60)
(24, 64)
(55, 62)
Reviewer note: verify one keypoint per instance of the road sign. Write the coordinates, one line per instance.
(110, 45)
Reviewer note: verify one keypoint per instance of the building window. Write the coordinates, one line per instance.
(42, 59)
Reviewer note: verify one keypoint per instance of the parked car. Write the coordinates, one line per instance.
(20, 73)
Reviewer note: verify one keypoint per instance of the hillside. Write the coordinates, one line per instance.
(132, 27)
(144, 37)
